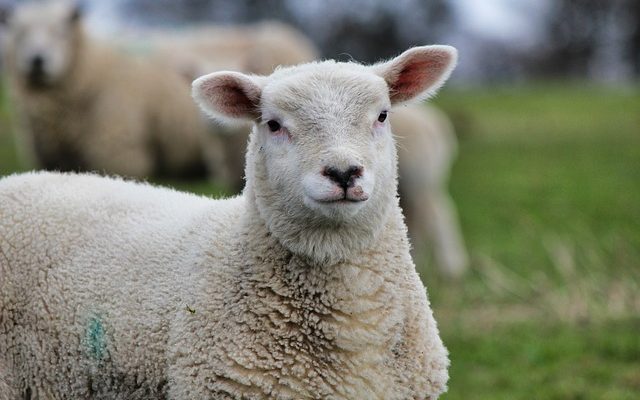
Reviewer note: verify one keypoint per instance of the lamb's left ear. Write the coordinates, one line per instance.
(229, 96)
(417, 73)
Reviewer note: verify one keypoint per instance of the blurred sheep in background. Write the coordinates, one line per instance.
(254, 48)
(83, 106)
(427, 148)
(194, 51)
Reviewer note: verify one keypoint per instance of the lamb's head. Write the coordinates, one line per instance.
(321, 164)
(42, 41)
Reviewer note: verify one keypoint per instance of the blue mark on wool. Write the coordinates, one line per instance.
(95, 338)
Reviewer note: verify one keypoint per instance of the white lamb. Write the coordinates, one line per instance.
(301, 288)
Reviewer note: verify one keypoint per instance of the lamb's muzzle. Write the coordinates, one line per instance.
(345, 179)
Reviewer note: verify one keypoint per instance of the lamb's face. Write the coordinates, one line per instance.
(42, 41)
(321, 164)
(326, 142)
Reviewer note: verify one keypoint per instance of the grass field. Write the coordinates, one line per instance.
(548, 190)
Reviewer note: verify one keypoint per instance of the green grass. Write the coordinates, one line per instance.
(8, 158)
(548, 190)
(547, 161)
(537, 361)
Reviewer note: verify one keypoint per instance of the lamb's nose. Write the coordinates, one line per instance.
(37, 63)
(344, 178)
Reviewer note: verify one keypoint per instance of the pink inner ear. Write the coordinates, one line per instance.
(230, 97)
(418, 75)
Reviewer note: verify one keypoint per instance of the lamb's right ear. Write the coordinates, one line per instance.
(229, 96)
(417, 73)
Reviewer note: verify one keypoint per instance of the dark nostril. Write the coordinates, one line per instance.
(37, 63)
(355, 171)
(343, 178)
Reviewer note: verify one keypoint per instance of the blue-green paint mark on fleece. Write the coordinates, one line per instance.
(95, 338)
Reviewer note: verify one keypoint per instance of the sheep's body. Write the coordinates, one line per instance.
(120, 116)
(254, 48)
(114, 289)
(103, 314)
(427, 148)
(257, 48)
(301, 288)
(105, 111)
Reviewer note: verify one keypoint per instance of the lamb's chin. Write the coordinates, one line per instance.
(334, 209)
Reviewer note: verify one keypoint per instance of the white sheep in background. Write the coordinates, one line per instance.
(427, 147)
(83, 106)
(253, 48)
(300, 288)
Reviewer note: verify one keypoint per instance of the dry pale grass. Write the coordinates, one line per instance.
(579, 288)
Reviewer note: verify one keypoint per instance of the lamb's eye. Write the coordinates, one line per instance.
(274, 126)
(382, 117)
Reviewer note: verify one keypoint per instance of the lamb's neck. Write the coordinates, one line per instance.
(352, 305)
(390, 241)
(307, 234)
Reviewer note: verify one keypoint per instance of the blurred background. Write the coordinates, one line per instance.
(546, 107)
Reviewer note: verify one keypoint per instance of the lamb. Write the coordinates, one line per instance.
(84, 106)
(300, 288)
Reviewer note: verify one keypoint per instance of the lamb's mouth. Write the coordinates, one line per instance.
(345, 198)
